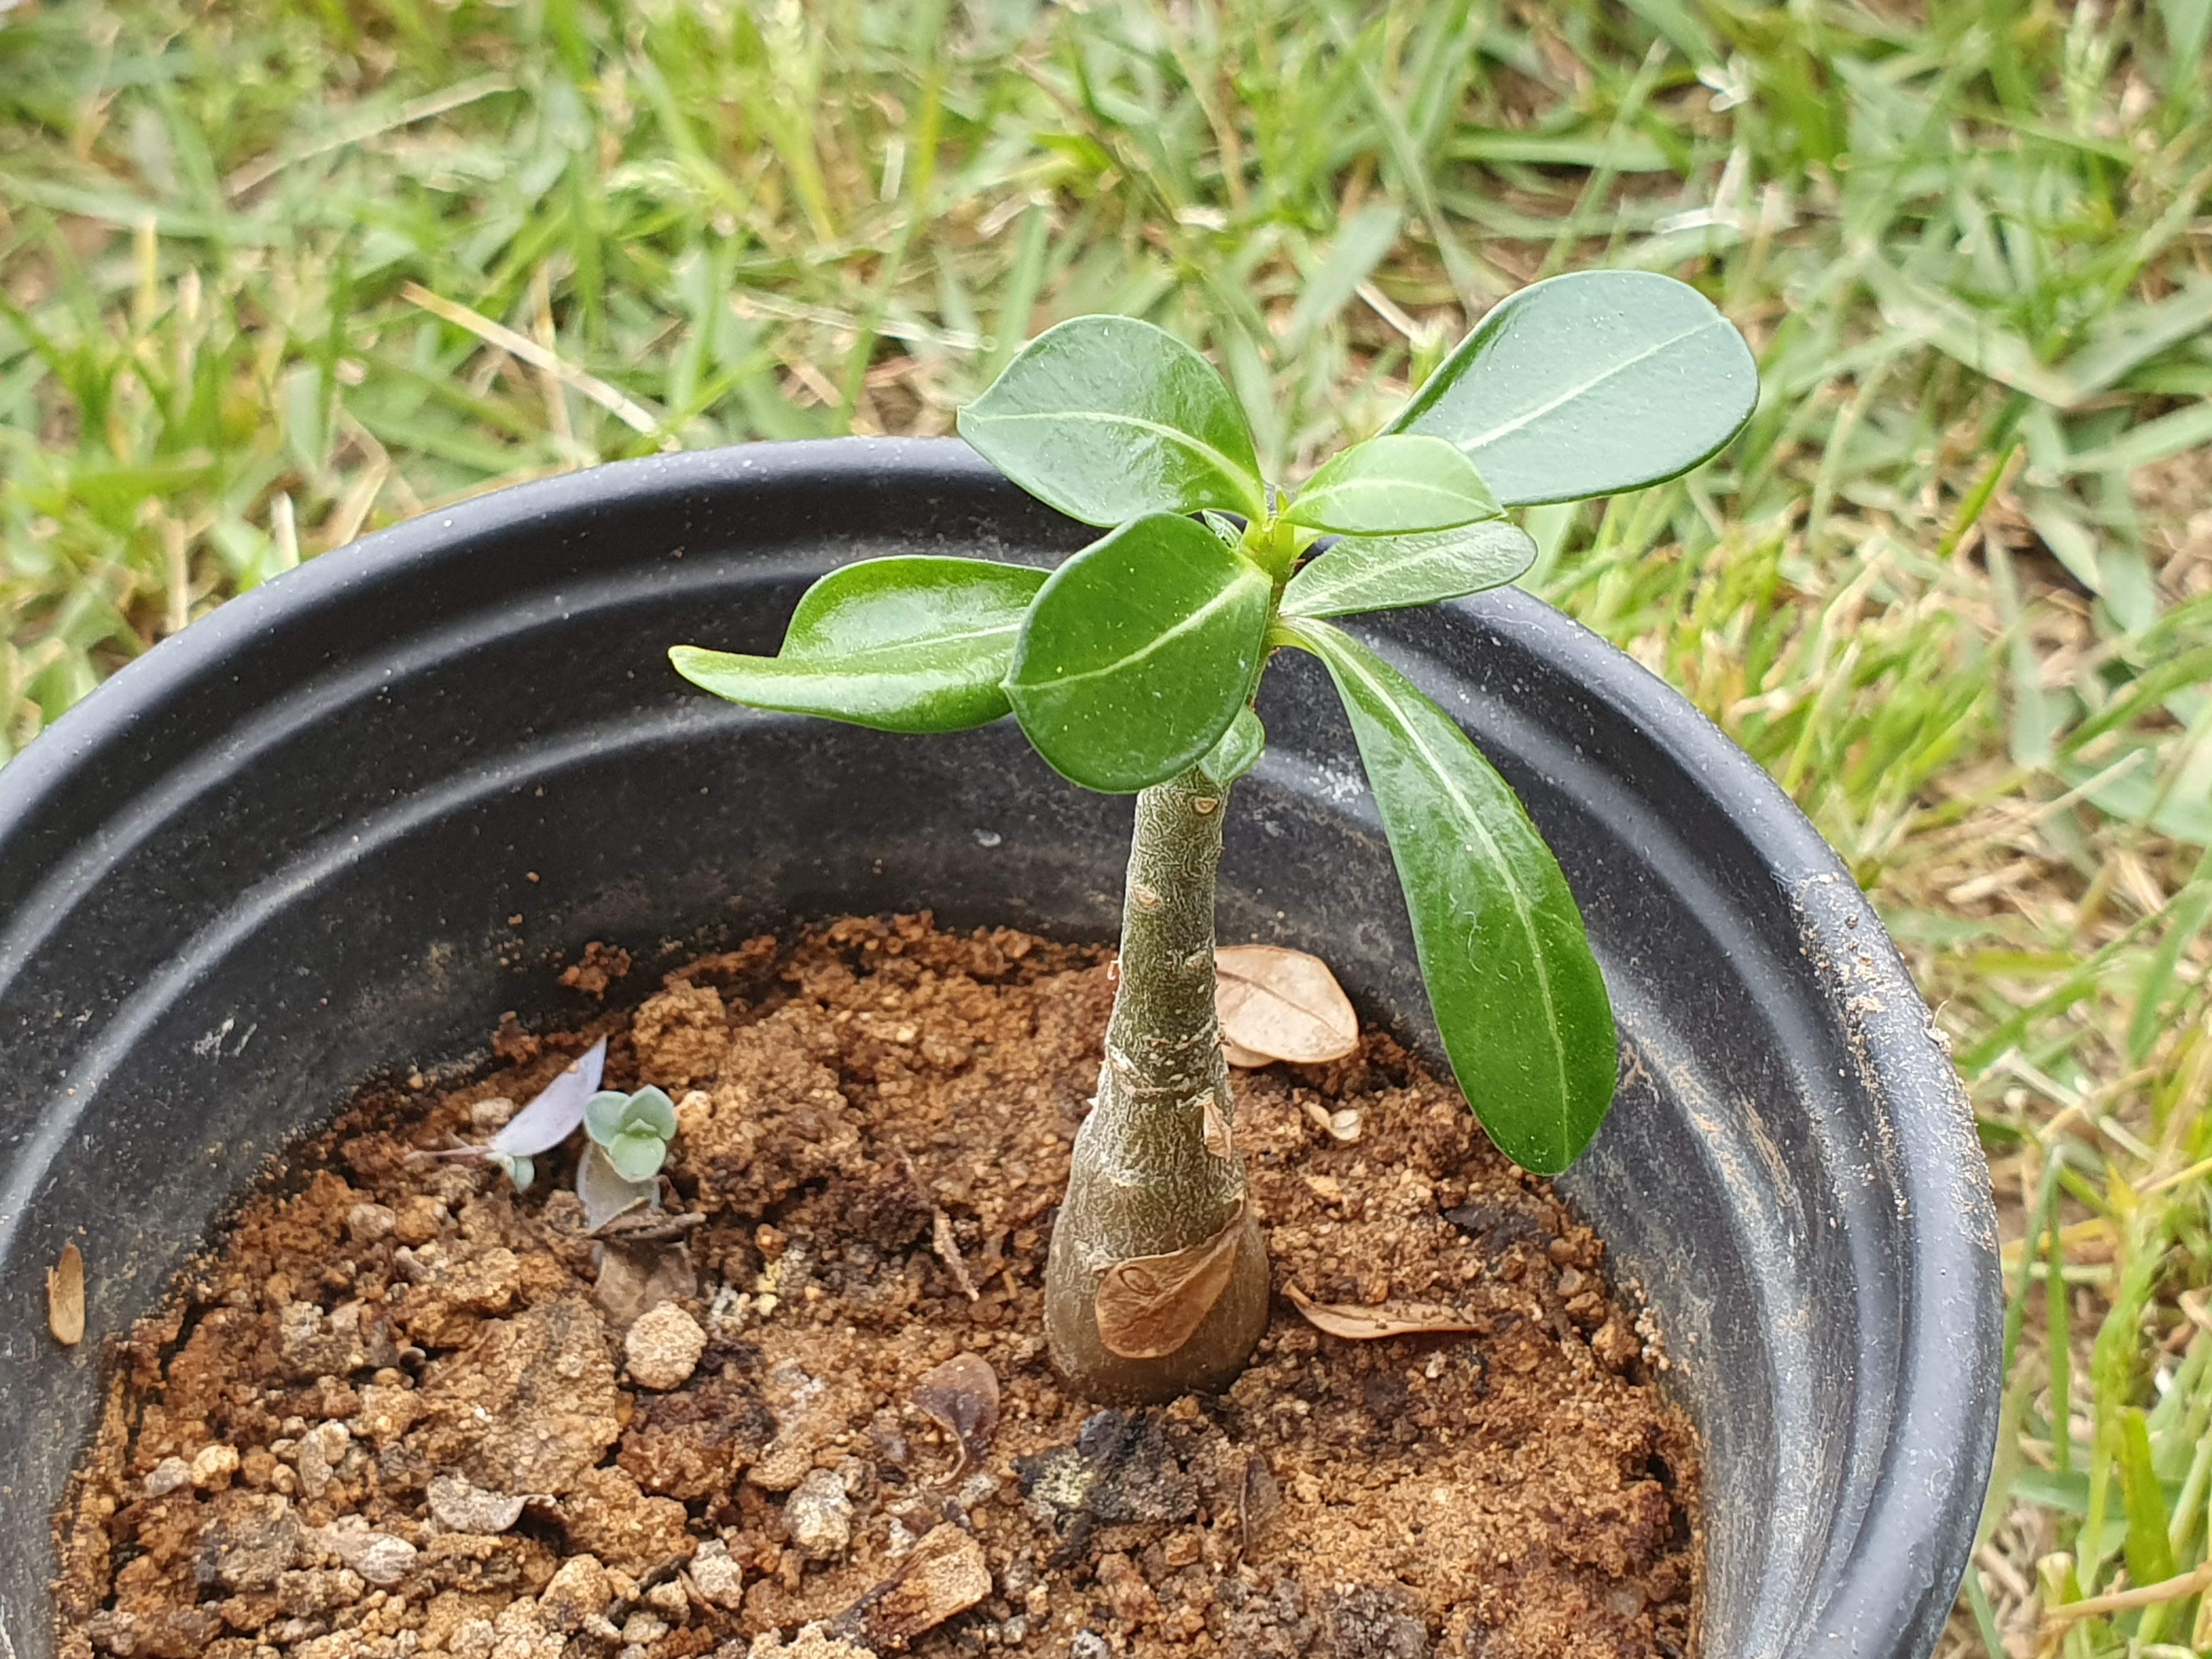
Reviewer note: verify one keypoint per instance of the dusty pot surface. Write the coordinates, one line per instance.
(342, 824)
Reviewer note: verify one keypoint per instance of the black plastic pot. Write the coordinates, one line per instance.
(283, 854)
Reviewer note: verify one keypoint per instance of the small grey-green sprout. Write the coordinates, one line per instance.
(633, 1130)
(1133, 668)
(620, 1169)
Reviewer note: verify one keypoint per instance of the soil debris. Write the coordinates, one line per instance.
(390, 1417)
(961, 1397)
(663, 1348)
(1369, 1324)
(1278, 1004)
(65, 1297)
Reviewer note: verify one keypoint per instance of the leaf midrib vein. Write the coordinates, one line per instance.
(1174, 434)
(1222, 598)
(1621, 368)
(1520, 906)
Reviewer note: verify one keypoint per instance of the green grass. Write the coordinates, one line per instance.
(275, 274)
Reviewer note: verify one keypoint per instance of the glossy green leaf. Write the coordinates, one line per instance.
(1590, 383)
(902, 645)
(1238, 751)
(1519, 998)
(1391, 572)
(1138, 653)
(1394, 485)
(1107, 418)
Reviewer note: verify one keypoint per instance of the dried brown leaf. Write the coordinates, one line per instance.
(942, 1576)
(1150, 1305)
(1385, 1319)
(962, 1395)
(1215, 1129)
(65, 1296)
(1280, 1003)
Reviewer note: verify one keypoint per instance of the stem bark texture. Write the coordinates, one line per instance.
(1154, 1172)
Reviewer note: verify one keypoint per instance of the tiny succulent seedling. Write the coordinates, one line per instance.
(1133, 667)
(632, 1130)
(621, 1167)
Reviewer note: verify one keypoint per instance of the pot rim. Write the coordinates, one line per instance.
(1883, 1595)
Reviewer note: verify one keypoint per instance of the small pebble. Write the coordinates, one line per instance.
(579, 1591)
(663, 1347)
(820, 1516)
(717, 1577)
(369, 1223)
(1088, 1645)
(460, 1506)
(1344, 1125)
(167, 1475)
(212, 1468)
(376, 1556)
(491, 1113)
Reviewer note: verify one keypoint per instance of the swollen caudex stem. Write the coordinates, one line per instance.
(1157, 1283)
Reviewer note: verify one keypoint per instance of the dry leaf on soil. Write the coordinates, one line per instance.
(65, 1296)
(1151, 1305)
(961, 1396)
(1277, 1004)
(1385, 1319)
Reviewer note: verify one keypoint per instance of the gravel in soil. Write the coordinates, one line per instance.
(400, 1409)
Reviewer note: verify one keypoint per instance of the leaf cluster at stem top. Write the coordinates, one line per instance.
(1142, 655)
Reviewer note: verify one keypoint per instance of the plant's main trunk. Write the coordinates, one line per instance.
(1154, 1172)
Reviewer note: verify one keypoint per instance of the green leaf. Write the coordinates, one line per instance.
(1391, 572)
(902, 645)
(1107, 418)
(1138, 653)
(602, 1114)
(1517, 994)
(1587, 384)
(611, 1114)
(2149, 1552)
(1394, 485)
(1238, 751)
(636, 1154)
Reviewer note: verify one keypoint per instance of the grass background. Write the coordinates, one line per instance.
(273, 273)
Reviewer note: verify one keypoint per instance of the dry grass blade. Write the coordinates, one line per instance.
(631, 413)
(1280, 1004)
(2175, 1589)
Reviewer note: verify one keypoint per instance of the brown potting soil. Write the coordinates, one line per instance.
(389, 1414)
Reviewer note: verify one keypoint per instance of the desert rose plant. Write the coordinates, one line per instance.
(1132, 669)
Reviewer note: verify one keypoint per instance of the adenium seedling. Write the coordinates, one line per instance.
(633, 1130)
(629, 1135)
(1134, 668)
